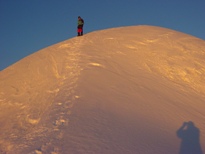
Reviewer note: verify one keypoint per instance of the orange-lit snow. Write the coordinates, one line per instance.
(124, 90)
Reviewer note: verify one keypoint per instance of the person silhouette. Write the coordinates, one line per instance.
(80, 26)
(189, 134)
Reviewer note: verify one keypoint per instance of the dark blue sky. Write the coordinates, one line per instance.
(28, 26)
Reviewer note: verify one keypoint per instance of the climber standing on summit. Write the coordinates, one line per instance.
(80, 26)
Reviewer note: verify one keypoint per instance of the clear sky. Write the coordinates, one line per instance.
(27, 26)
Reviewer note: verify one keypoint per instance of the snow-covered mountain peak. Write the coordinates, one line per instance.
(121, 90)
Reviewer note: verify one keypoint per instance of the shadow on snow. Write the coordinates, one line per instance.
(189, 135)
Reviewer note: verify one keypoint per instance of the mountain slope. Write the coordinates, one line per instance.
(121, 90)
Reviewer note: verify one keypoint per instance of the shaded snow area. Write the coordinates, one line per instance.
(127, 90)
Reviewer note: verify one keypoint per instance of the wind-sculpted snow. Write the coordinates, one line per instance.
(121, 90)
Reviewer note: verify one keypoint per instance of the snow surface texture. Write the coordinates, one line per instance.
(124, 90)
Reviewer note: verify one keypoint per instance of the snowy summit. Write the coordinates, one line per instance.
(127, 90)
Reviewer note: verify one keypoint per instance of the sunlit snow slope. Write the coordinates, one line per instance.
(125, 90)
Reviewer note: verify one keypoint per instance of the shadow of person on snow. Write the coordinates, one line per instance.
(189, 135)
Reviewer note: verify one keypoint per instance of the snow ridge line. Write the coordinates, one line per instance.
(65, 98)
(72, 71)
